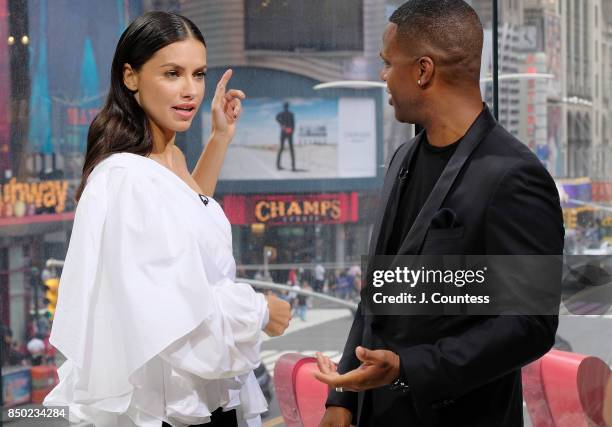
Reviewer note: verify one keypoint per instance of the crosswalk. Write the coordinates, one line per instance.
(269, 357)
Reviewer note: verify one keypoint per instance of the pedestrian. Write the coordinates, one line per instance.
(36, 350)
(292, 294)
(357, 285)
(319, 274)
(343, 286)
(301, 301)
(5, 344)
(17, 354)
(292, 277)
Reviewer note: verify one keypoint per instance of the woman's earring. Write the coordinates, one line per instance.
(419, 82)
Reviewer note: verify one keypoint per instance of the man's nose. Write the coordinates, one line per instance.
(383, 75)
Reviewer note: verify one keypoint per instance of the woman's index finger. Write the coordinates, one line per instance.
(223, 81)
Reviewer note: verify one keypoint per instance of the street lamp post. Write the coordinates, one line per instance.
(34, 285)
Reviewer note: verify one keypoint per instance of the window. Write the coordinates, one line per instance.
(297, 25)
(300, 201)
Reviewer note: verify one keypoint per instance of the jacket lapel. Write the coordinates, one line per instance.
(481, 127)
(383, 214)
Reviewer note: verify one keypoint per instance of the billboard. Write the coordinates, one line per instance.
(71, 49)
(574, 192)
(312, 25)
(552, 31)
(554, 161)
(602, 191)
(299, 138)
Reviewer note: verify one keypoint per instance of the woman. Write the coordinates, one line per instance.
(154, 328)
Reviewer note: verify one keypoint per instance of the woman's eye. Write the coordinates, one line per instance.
(171, 74)
(200, 75)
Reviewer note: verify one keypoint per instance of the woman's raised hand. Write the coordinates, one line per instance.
(226, 107)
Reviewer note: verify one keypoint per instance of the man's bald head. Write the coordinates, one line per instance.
(448, 31)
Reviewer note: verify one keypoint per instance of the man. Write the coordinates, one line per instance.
(6, 337)
(286, 120)
(462, 186)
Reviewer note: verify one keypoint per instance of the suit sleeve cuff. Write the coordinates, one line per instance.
(346, 399)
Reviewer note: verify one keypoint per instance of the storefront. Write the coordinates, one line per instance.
(297, 201)
(35, 216)
(284, 231)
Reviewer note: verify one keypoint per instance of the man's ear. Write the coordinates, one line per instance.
(130, 78)
(426, 70)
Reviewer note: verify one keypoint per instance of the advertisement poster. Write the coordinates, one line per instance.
(68, 90)
(574, 192)
(602, 191)
(301, 138)
(554, 162)
(552, 30)
(16, 386)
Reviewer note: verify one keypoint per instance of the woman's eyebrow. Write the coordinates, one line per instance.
(172, 64)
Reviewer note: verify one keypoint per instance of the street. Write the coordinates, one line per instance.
(326, 329)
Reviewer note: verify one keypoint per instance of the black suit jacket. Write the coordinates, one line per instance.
(462, 370)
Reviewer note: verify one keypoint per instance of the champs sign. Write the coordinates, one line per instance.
(334, 208)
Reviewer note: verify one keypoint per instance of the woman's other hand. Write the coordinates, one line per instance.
(280, 315)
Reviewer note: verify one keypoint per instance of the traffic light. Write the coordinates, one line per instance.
(570, 217)
(52, 285)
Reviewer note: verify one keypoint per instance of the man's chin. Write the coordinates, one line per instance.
(403, 118)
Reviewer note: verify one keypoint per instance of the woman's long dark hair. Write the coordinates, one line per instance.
(122, 125)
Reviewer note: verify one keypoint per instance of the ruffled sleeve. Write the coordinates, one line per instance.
(210, 354)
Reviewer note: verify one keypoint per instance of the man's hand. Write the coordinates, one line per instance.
(336, 416)
(378, 368)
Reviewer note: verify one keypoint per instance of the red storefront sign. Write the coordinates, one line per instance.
(601, 191)
(289, 209)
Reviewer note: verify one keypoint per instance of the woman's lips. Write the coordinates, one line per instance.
(184, 113)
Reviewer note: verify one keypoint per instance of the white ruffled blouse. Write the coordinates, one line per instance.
(149, 316)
